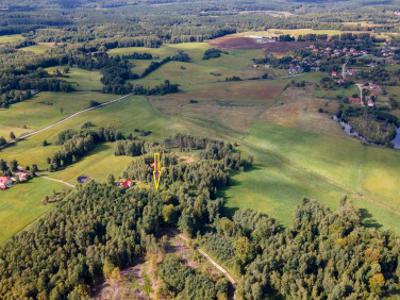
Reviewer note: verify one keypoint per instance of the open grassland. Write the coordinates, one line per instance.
(15, 38)
(22, 204)
(295, 164)
(274, 32)
(338, 92)
(126, 115)
(83, 80)
(98, 165)
(44, 109)
(40, 48)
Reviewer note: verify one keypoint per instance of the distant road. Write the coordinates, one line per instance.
(25, 136)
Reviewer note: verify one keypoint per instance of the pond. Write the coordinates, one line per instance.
(396, 140)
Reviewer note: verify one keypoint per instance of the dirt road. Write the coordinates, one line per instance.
(25, 136)
(213, 262)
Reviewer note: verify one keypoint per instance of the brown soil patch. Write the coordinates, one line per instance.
(297, 109)
(237, 42)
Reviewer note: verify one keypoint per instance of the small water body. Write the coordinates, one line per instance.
(396, 140)
(348, 130)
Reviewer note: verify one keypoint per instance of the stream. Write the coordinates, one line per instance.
(348, 130)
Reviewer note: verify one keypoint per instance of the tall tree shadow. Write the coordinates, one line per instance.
(367, 219)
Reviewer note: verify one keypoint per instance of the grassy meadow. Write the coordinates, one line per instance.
(298, 152)
(40, 48)
(22, 205)
(15, 38)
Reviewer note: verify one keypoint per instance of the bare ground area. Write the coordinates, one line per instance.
(140, 281)
(243, 42)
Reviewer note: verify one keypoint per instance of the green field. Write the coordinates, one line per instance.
(40, 48)
(293, 164)
(22, 204)
(4, 39)
(82, 80)
(298, 151)
(45, 108)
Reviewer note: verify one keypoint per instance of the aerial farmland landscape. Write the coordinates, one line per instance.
(172, 149)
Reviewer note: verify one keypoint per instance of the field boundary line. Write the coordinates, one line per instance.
(59, 181)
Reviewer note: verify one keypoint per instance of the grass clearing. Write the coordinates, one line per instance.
(40, 48)
(21, 205)
(82, 80)
(46, 108)
(294, 164)
(15, 38)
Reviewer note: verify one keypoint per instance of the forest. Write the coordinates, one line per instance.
(322, 255)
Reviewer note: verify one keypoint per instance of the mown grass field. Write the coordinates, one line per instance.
(82, 80)
(298, 151)
(45, 108)
(293, 164)
(15, 38)
(40, 48)
(22, 205)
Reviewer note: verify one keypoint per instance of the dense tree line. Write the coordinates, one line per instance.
(75, 245)
(77, 145)
(212, 53)
(182, 281)
(322, 255)
(130, 148)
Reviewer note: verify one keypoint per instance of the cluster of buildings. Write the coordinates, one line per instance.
(335, 53)
(369, 95)
(7, 182)
(387, 50)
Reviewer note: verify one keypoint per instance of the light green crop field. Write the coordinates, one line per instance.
(40, 48)
(332, 94)
(126, 115)
(82, 80)
(15, 38)
(293, 164)
(44, 109)
(22, 204)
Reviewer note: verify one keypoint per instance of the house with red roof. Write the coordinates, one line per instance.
(5, 182)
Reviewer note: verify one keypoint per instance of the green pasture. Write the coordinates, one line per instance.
(82, 80)
(45, 108)
(292, 164)
(40, 48)
(15, 38)
(22, 205)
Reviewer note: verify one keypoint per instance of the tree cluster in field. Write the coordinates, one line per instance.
(154, 65)
(7, 169)
(212, 53)
(181, 281)
(77, 145)
(322, 255)
(17, 85)
(130, 148)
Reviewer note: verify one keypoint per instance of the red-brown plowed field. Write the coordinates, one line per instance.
(235, 42)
